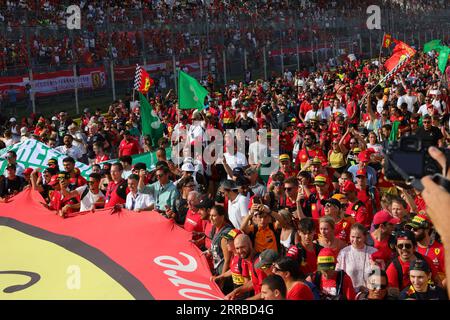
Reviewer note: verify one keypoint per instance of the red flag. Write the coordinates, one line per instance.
(117, 255)
(387, 40)
(146, 82)
(401, 52)
(88, 58)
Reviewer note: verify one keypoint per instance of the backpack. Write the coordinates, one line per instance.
(398, 268)
(84, 194)
(275, 232)
(314, 289)
(339, 285)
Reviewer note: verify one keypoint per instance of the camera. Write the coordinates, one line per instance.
(411, 155)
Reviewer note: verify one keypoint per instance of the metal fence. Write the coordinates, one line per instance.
(231, 46)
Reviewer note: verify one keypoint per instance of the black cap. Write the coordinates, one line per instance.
(229, 184)
(11, 166)
(238, 171)
(332, 201)
(420, 265)
(242, 181)
(205, 202)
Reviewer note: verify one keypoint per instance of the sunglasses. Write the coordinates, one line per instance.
(288, 189)
(277, 184)
(160, 175)
(406, 246)
(377, 286)
(426, 121)
(92, 182)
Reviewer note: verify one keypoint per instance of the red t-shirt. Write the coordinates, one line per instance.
(342, 228)
(351, 109)
(257, 278)
(193, 221)
(435, 252)
(116, 193)
(207, 227)
(300, 291)
(328, 286)
(359, 213)
(309, 265)
(384, 250)
(303, 156)
(237, 273)
(128, 148)
(99, 159)
(305, 107)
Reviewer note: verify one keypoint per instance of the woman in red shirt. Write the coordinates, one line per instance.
(289, 270)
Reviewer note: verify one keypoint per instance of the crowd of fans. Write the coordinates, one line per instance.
(325, 225)
(232, 25)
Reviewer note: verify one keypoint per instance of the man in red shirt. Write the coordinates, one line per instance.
(367, 194)
(193, 220)
(426, 244)
(306, 251)
(244, 249)
(128, 146)
(356, 208)
(332, 284)
(117, 190)
(398, 270)
(384, 224)
(309, 151)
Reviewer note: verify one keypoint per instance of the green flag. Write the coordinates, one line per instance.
(151, 125)
(433, 44)
(394, 131)
(444, 51)
(191, 94)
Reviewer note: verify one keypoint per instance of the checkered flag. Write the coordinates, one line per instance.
(396, 69)
(137, 77)
(142, 80)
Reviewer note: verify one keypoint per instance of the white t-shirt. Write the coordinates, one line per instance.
(73, 152)
(87, 203)
(423, 110)
(236, 160)
(311, 114)
(237, 210)
(256, 152)
(356, 263)
(410, 100)
(138, 201)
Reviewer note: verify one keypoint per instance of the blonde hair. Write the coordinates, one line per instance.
(329, 220)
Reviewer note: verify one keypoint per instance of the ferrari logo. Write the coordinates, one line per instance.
(437, 251)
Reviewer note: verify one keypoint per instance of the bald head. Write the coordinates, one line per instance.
(243, 245)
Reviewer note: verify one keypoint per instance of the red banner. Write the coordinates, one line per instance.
(125, 255)
(51, 83)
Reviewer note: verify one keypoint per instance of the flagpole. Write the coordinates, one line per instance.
(381, 49)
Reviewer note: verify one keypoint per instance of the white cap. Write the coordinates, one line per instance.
(86, 110)
(23, 131)
(188, 160)
(12, 119)
(187, 167)
(54, 118)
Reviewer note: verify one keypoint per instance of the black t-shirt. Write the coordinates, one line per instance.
(433, 293)
(433, 135)
(7, 186)
(90, 142)
(246, 124)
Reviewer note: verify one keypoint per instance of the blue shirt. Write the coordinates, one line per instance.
(371, 175)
